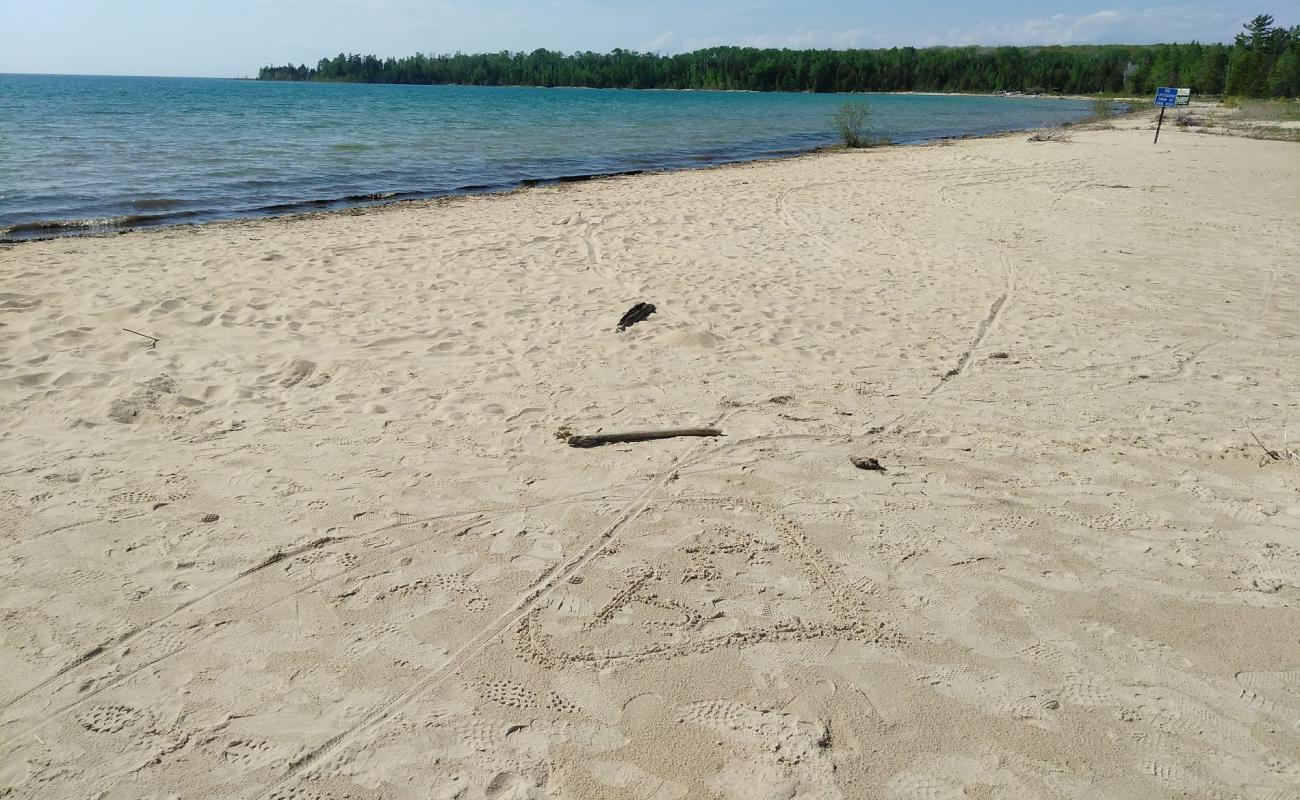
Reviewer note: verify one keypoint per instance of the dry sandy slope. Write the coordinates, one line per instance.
(321, 541)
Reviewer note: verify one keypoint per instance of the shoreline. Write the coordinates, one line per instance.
(1006, 95)
(1010, 96)
(78, 229)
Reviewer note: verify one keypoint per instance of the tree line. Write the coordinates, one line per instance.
(1264, 61)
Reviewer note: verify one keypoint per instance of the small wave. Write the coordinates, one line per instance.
(156, 203)
(333, 202)
(371, 198)
(351, 147)
(66, 227)
(53, 225)
(591, 176)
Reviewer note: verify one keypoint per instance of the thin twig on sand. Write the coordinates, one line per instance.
(153, 340)
(1273, 454)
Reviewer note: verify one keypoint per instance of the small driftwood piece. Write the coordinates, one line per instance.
(602, 439)
(153, 340)
(867, 463)
(637, 313)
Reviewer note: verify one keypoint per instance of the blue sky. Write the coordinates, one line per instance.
(235, 37)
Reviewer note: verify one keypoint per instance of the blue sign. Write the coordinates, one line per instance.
(1166, 97)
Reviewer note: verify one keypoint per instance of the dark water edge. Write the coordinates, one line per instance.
(42, 230)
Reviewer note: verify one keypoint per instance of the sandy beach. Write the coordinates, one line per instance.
(320, 540)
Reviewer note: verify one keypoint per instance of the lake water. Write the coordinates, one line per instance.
(91, 154)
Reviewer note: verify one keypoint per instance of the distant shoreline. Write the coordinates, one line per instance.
(247, 79)
(1062, 69)
(1007, 95)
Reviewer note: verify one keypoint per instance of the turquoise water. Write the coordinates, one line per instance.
(92, 154)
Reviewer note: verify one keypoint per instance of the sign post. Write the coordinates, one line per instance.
(1165, 98)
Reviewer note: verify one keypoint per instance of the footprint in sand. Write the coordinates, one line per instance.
(111, 718)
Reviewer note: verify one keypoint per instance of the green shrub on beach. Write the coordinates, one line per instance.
(853, 121)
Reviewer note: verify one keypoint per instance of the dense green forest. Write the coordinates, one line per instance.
(1264, 61)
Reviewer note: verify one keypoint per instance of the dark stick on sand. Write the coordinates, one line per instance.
(153, 340)
(601, 439)
(1273, 454)
(637, 313)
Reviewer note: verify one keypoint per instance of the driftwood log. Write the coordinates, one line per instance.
(602, 439)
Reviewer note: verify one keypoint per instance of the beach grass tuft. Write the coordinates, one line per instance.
(853, 123)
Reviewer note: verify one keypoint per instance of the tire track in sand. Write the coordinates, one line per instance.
(511, 618)
(982, 331)
(124, 642)
(986, 325)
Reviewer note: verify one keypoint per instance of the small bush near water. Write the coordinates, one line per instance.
(853, 122)
(1102, 108)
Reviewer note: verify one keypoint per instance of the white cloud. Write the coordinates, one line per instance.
(798, 39)
(1155, 24)
(805, 38)
(660, 44)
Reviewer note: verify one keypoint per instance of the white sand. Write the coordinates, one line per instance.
(322, 542)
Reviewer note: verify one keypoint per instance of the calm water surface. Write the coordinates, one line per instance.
(89, 154)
